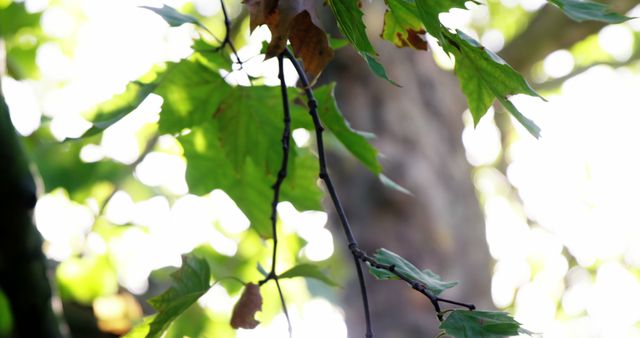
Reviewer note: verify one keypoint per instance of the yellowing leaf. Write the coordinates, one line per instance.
(401, 25)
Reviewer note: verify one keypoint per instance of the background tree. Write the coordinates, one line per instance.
(447, 176)
(441, 225)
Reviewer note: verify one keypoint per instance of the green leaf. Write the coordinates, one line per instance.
(193, 322)
(377, 68)
(429, 12)
(108, 113)
(189, 283)
(250, 125)
(173, 17)
(141, 329)
(484, 76)
(401, 25)
(120, 105)
(300, 186)
(210, 55)
(527, 123)
(393, 185)
(582, 10)
(335, 122)
(222, 266)
(239, 152)
(262, 271)
(349, 18)
(480, 324)
(310, 271)
(430, 280)
(192, 93)
(336, 43)
(55, 161)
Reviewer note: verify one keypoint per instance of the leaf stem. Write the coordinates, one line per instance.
(227, 35)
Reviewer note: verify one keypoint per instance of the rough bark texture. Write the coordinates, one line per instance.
(22, 265)
(441, 227)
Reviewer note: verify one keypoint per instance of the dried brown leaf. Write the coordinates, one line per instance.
(310, 44)
(296, 21)
(245, 309)
(260, 11)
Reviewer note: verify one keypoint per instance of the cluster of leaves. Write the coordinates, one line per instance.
(484, 76)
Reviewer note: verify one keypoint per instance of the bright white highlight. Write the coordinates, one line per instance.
(166, 170)
(301, 137)
(119, 210)
(91, 153)
(617, 40)
(310, 226)
(23, 105)
(482, 142)
(317, 319)
(558, 63)
(532, 5)
(62, 223)
(493, 39)
(579, 196)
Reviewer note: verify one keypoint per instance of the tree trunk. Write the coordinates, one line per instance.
(418, 130)
(440, 227)
(23, 275)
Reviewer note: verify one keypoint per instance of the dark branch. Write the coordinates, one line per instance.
(282, 174)
(227, 38)
(416, 285)
(324, 175)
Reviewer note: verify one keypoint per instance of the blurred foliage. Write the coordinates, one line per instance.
(22, 35)
(87, 278)
(6, 320)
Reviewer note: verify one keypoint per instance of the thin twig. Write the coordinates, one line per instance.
(324, 175)
(417, 285)
(227, 35)
(282, 174)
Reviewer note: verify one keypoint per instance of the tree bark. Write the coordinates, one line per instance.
(23, 275)
(418, 130)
